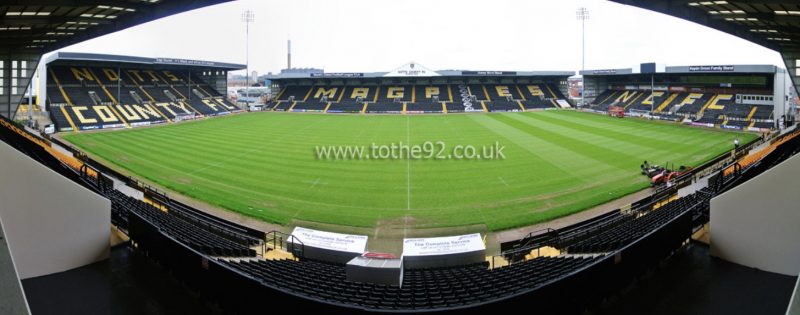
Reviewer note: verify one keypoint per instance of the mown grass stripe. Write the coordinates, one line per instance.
(262, 165)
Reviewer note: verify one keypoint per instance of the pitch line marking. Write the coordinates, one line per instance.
(408, 178)
(503, 181)
(408, 165)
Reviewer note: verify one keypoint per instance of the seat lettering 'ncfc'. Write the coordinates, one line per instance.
(700, 106)
(627, 96)
(715, 103)
(649, 99)
(691, 98)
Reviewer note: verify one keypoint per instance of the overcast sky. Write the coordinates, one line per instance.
(379, 35)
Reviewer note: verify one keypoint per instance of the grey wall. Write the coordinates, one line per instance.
(51, 223)
(757, 224)
(780, 91)
(12, 297)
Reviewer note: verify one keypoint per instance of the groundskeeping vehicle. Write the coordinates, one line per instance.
(668, 173)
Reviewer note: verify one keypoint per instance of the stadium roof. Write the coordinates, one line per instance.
(411, 70)
(774, 24)
(29, 28)
(70, 57)
(693, 69)
(44, 25)
(771, 23)
(444, 73)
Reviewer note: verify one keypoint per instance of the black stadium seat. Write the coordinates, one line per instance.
(206, 237)
(422, 289)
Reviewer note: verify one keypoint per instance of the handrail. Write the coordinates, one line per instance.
(286, 242)
(527, 247)
(534, 233)
(529, 242)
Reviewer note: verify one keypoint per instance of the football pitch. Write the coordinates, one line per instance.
(267, 165)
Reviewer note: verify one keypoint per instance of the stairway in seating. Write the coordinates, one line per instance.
(675, 108)
(666, 102)
(703, 110)
(752, 112)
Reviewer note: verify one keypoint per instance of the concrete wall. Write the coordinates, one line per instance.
(51, 223)
(12, 296)
(757, 224)
(781, 86)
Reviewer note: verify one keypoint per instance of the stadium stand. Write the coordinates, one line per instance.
(423, 98)
(719, 109)
(81, 99)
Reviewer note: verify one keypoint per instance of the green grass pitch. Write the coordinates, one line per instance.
(264, 165)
